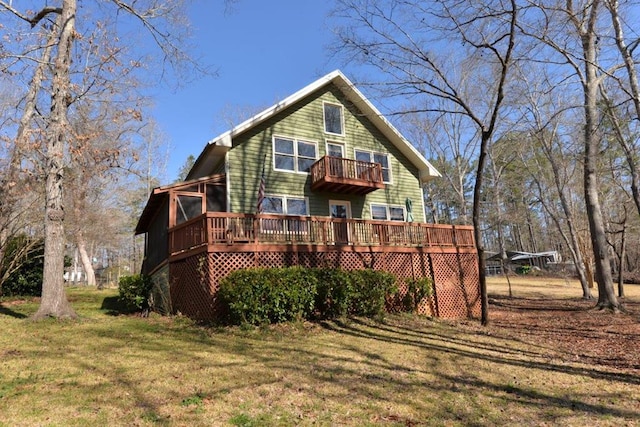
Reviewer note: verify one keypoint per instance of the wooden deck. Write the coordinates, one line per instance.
(264, 230)
(340, 175)
(207, 248)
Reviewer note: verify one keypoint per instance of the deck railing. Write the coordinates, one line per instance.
(332, 171)
(230, 228)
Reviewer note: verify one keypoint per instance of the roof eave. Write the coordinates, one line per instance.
(426, 170)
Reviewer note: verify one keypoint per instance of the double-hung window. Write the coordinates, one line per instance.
(333, 119)
(375, 157)
(294, 155)
(387, 212)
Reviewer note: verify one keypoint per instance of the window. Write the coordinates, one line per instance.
(387, 212)
(273, 205)
(373, 157)
(293, 155)
(286, 205)
(333, 119)
(335, 150)
(187, 207)
(336, 166)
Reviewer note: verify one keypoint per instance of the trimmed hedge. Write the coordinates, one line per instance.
(370, 289)
(271, 295)
(268, 295)
(334, 292)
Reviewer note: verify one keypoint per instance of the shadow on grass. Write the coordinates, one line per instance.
(112, 306)
(6, 311)
(541, 304)
(463, 347)
(253, 359)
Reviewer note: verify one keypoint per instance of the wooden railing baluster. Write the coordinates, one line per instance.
(230, 228)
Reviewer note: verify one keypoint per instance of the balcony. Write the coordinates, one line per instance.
(339, 175)
(229, 231)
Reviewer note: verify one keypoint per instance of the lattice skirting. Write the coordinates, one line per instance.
(194, 280)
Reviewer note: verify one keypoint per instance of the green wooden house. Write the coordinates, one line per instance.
(320, 178)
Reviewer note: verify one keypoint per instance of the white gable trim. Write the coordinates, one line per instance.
(426, 169)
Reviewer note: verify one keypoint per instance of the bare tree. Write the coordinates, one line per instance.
(632, 90)
(545, 113)
(452, 151)
(54, 301)
(585, 23)
(572, 30)
(411, 43)
(78, 50)
(501, 156)
(13, 183)
(99, 150)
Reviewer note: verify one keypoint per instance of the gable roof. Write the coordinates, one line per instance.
(222, 143)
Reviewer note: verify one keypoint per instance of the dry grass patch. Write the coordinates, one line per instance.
(405, 371)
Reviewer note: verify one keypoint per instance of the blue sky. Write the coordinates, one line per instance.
(264, 51)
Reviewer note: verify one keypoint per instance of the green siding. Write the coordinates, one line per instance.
(304, 120)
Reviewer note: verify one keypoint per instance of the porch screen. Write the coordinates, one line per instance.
(188, 207)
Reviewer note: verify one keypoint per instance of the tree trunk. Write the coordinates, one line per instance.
(574, 243)
(623, 250)
(606, 294)
(500, 231)
(477, 198)
(87, 265)
(54, 301)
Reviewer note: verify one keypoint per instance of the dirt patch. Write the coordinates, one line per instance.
(571, 328)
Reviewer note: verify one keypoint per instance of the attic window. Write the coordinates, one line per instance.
(333, 119)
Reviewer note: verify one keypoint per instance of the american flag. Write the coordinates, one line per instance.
(261, 189)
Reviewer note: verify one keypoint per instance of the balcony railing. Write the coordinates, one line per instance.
(268, 229)
(341, 175)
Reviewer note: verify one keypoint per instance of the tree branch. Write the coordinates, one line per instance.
(36, 18)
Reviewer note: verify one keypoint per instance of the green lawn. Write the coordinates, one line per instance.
(108, 369)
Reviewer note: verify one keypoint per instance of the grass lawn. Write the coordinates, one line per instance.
(108, 369)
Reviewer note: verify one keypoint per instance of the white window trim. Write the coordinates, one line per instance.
(286, 197)
(387, 207)
(295, 153)
(333, 142)
(346, 203)
(371, 154)
(324, 118)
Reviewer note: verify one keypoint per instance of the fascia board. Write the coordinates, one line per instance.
(426, 169)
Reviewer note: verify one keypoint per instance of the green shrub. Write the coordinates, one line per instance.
(268, 295)
(24, 261)
(369, 291)
(334, 292)
(260, 296)
(134, 291)
(417, 291)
